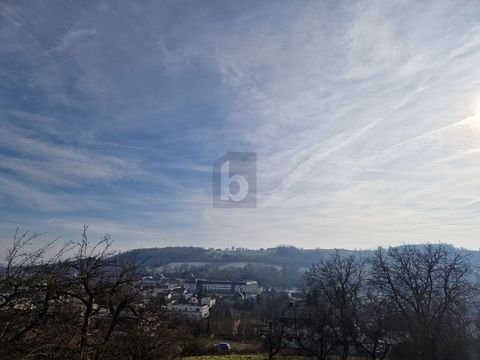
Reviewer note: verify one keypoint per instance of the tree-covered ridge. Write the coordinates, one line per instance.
(280, 255)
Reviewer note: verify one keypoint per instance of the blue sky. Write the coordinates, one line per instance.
(365, 117)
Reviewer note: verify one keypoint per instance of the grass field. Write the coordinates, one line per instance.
(227, 357)
(246, 357)
(246, 351)
(239, 357)
(237, 347)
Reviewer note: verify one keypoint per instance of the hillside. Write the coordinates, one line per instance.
(279, 256)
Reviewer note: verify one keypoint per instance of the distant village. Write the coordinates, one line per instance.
(102, 305)
(193, 298)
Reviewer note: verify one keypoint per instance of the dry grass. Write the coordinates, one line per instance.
(240, 357)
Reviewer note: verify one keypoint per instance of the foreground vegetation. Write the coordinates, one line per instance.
(227, 357)
(251, 357)
(84, 303)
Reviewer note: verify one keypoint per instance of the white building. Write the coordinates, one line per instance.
(222, 287)
(248, 287)
(208, 301)
(196, 312)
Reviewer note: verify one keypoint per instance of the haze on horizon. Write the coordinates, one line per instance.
(365, 118)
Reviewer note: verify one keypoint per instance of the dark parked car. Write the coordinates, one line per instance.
(223, 346)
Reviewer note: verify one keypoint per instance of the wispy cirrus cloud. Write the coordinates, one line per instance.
(364, 118)
(54, 163)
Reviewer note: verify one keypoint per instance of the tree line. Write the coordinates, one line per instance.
(82, 303)
(407, 302)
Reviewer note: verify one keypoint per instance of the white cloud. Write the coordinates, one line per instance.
(73, 36)
(53, 163)
(360, 113)
(331, 99)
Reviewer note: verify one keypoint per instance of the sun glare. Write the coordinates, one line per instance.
(476, 105)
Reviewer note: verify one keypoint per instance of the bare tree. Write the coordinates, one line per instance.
(338, 281)
(430, 289)
(313, 331)
(104, 288)
(27, 289)
(376, 321)
(272, 326)
(83, 302)
(150, 334)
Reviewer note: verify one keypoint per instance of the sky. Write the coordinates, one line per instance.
(364, 117)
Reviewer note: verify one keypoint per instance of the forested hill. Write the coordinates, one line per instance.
(281, 256)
